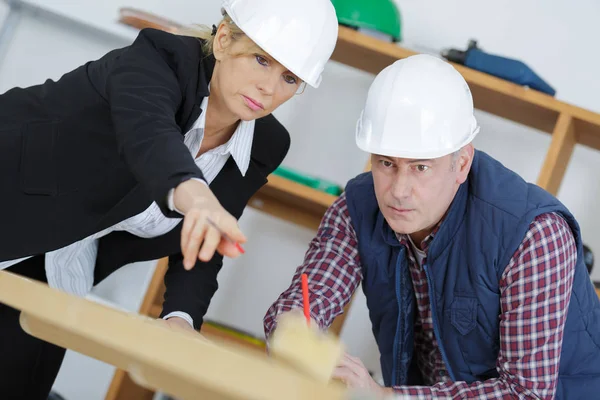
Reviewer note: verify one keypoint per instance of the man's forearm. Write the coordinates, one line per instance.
(490, 389)
(333, 270)
(324, 305)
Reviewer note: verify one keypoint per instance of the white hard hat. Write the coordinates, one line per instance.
(300, 35)
(419, 107)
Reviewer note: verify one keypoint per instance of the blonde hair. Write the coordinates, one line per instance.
(205, 33)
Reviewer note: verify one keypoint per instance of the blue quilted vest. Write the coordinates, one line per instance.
(486, 223)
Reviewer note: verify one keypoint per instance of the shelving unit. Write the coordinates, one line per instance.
(305, 206)
(292, 202)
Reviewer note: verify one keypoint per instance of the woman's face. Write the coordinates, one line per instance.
(248, 81)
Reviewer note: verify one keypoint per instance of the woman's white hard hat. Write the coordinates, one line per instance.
(300, 35)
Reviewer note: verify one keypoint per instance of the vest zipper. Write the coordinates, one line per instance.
(397, 358)
(435, 322)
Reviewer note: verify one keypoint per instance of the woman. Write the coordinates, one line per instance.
(151, 151)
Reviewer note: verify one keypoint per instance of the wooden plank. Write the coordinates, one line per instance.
(294, 193)
(514, 109)
(140, 19)
(588, 133)
(587, 122)
(558, 155)
(122, 387)
(214, 333)
(181, 364)
(366, 53)
(156, 286)
(131, 389)
(285, 212)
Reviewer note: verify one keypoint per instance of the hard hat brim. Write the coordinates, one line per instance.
(418, 155)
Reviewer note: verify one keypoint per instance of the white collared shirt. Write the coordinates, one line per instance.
(71, 268)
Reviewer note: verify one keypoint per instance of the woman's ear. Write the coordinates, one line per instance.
(221, 41)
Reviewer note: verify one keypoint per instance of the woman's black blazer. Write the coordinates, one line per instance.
(97, 146)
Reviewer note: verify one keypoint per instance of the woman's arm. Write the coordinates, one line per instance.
(190, 292)
(144, 95)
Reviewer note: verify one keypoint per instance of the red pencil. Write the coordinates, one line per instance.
(305, 298)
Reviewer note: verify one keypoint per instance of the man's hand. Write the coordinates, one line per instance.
(352, 372)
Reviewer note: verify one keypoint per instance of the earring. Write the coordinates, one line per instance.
(214, 31)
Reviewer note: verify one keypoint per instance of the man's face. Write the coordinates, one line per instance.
(414, 195)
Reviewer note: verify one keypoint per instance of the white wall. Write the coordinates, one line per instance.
(555, 39)
(3, 11)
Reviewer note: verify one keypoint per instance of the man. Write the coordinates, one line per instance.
(474, 279)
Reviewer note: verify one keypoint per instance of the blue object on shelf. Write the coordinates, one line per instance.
(502, 67)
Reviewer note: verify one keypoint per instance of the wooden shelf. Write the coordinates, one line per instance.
(496, 96)
(292, 201)
(155, 311)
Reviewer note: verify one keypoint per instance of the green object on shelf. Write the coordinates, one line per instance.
(378, 15)
(310, 181)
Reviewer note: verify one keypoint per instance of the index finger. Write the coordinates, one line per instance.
(230, 228)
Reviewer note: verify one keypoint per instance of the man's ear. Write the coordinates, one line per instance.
(464, 162)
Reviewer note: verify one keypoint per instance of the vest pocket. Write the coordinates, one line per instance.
(479, 350)
(38, 166)
(463, 314)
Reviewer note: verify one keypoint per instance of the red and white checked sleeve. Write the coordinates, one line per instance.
(333, 268)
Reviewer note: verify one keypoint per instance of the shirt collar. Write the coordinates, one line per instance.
(406, 240)
(239, 145)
